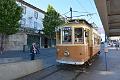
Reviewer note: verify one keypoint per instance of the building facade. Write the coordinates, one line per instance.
(31, 25)
(32, 16)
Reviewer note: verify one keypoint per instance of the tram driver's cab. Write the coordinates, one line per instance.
(70, 35)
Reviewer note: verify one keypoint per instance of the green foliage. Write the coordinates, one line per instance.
(10, 14)
(51, 21)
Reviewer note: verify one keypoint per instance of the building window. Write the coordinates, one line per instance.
(24, 9)
(35, 25)
(23, 22)
(36, 14)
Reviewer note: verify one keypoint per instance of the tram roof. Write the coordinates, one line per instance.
(79, 21)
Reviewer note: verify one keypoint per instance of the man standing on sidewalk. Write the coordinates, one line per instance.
(33, 51)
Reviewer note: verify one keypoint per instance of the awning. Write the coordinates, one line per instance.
(109, 12)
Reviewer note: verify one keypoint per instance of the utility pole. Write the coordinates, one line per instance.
(71, 13)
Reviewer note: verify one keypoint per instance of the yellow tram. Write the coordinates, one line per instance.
(77, 42)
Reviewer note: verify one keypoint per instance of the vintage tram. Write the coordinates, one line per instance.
(77, 42)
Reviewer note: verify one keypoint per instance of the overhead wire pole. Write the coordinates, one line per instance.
(70, 9)
(71, 13)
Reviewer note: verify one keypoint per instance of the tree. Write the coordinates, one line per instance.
(10, 14)
(51, 21)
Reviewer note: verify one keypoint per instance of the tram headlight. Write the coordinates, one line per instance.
(58, 50)
(66, 53)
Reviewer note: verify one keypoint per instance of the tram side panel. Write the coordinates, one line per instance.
(90, 48)
(76, 54)
(95, 43)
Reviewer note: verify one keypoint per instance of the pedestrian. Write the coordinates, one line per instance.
(117, 45)
(33, 51)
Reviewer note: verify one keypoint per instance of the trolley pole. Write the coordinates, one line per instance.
(106, 51)
(71, 13)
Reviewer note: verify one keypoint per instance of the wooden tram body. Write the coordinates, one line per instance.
(77, 42)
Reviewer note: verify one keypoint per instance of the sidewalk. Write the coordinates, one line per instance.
(98, 70)
(17, 56)
(14, 65)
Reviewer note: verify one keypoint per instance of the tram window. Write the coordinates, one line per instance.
(67, 32)
(98, 40)
(79, 35)
(86, 34)
(95, 39)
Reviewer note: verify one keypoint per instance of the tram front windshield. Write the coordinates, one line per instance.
(68, 37)
(67, 34)
(79, 36)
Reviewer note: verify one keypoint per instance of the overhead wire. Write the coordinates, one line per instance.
(91, 4)
(86, 17)
(85, 10)
(92, 8)
(70, 6)
(81, 6)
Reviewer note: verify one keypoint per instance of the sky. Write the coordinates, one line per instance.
(83, 7)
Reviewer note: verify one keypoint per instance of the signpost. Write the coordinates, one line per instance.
(106, 51)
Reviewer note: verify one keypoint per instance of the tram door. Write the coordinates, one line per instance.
(87, 37)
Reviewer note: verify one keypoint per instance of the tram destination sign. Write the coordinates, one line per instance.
(67, 28)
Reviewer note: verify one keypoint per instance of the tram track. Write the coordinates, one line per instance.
(78, 73)
(85, 67)
(51, 73)
(76, 76)
(56, 71)
(63, 70)
(41, 74)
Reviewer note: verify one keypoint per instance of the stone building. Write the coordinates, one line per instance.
(31, 24)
